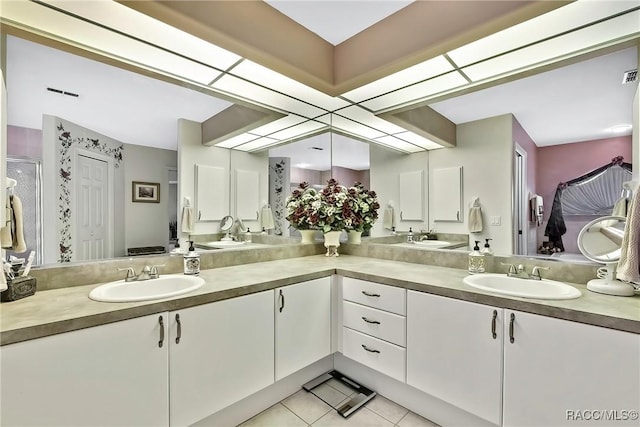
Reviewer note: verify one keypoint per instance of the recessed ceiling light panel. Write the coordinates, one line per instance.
(237, 140)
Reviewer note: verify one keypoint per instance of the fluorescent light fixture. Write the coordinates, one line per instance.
(278, 82)
(237, 140)
(408, 76)
(361, 115)
(557, 21)
(278, 125)
(299, 130)
(355, 128)
(398, 144)
(129, 21)
(257, 144)
(416, 92)
(43, 20)
(598, 35)
(418, 140)
(261, 95)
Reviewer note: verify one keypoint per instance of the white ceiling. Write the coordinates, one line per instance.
(336, 21)
(570, 104)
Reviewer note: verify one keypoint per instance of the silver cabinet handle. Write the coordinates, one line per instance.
(370, 294)
(457, 215)
(281, 301)
(373, 322)
(370, 350)
(199, 214)
(161, 322)
(257, 215)
(179, 334)
(493, 324)
(401, 216)
(511, 322)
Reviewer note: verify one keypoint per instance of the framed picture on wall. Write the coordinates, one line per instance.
(145, 192)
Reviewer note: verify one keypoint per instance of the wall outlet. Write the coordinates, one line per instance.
(495, 220)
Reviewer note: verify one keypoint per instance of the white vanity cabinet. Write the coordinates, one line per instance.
(108, 375)
(454, 352)
(374, 326)
(558, 372)
(220, 353)
(411, 194)
(302, 325)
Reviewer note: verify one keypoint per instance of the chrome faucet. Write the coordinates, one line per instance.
(535, 272)
(517, 271)
(145, 274)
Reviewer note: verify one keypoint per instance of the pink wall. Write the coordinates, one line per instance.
(24, 142)
(348, 177)
(561, 163)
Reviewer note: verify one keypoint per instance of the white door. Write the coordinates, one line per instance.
(561, 373)
(520, 223)
(109, 375)
(92, 216)
(454, 352)
(220, 353)
(303, 325)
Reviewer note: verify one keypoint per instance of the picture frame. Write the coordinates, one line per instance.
(145, 192)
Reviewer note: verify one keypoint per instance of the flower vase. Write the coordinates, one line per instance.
(331, 242)
(308, 236)
(354, 237)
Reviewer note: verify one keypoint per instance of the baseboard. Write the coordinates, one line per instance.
(430, 407)
(248, 407)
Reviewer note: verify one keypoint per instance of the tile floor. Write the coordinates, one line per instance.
(303, 409)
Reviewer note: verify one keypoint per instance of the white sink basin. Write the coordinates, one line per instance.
(525, 288)
(432, 243)
(167, 286)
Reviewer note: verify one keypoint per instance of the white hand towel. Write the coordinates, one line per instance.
(266, 218)
(187, 219)
(629, 263)
(19, 245)
(475, 216)
(388, 219)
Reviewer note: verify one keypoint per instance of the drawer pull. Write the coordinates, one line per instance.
(493, 324)
(161, 322)
(511, 336)
(370, 350)
(370, 294)
(373, 322)
(281, 301)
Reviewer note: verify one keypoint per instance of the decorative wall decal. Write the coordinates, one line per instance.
(66, 174)
(278, 181)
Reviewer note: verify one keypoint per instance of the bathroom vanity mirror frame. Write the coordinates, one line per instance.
(166, 78)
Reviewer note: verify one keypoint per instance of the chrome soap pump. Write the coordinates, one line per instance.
(476, 260)
(192, 260)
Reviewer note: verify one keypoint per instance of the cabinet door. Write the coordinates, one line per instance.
(412, 196)
(453, 354)
(109, 375)
(447, 194)
(303, 325)
(247, 194)
(558, 372)
(220, 353)
(212, 193)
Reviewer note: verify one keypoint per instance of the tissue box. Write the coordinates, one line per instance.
(19, 287)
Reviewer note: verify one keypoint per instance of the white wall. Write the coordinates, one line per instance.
(147, 224)
(385, 169)
(484, 150)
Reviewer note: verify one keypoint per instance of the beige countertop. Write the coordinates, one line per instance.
(67, 309)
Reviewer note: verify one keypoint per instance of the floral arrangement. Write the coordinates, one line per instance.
(363, 208)
(302, 207)
(335, 208)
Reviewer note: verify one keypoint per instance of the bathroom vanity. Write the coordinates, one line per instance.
(471, 357)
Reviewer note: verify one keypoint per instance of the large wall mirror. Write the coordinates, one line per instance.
(494, 136)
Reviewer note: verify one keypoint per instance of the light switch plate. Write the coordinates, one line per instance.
(495, 220)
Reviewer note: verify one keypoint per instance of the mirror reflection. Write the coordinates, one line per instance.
(503, 160)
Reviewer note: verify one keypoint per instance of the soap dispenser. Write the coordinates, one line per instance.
(248, 238)
(476, 260)
(192, 260)
(410, 236)
(487, 248)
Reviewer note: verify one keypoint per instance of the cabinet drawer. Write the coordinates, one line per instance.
(375, 295)
(382, 356)
(378, 323)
